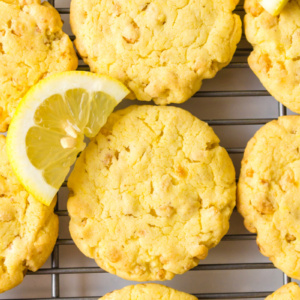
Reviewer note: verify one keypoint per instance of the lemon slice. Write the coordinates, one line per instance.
(48, 128)
(274, 7)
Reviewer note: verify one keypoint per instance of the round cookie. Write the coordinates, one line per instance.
(32, 46)
(147, 291)
(28, 229)
(161, 50)
(290, 291)
(276, 42)
(269, 192)
(151, 193)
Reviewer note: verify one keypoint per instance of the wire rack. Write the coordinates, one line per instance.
(239, 62)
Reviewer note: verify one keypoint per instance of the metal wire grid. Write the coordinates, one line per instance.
(55, 271)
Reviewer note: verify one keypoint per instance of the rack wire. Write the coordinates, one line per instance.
(55, 270)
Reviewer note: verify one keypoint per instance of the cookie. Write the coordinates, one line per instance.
(151, 194)
(32, 46)
(161, 50)
(28, 229)
(290, 291)
(276, 56)
(269, 192)
(147, 292)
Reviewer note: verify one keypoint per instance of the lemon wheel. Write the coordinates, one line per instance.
(47, 131)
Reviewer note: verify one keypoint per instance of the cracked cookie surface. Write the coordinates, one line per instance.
(268, 192)
(151, 193)
(28, 229)
(161, 50)
(147, 292)
(276, 56)
(290, 291)
(32, 46)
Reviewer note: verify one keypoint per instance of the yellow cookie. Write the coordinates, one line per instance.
(276, 55)
(151, 193)
(161, 50)
(269, 192)
(28, 229)
(32, 46)
(148, 291)
(289, 291)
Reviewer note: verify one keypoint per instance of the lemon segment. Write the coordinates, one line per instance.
(274, 7)
(47, 131)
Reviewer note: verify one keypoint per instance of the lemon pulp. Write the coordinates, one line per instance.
(61, 123)
(274, 7)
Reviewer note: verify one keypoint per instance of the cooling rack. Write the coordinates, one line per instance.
(236, 105)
